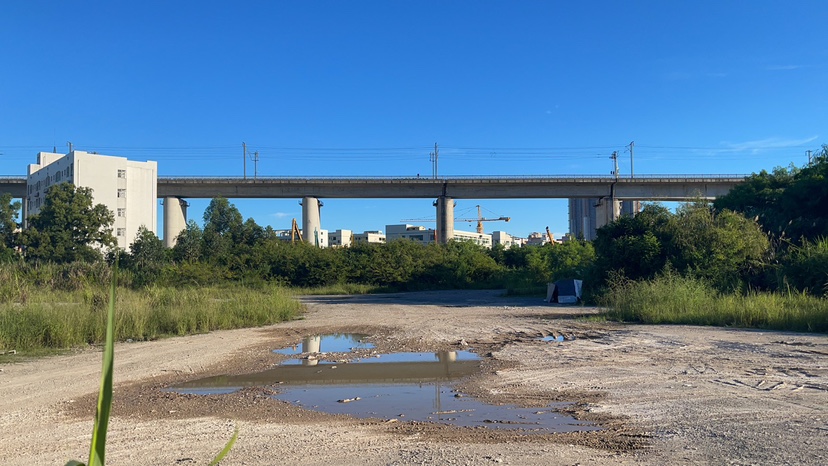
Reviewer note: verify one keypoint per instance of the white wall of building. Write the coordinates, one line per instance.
(340, 238)
(507, 240)
(125, 187)
(377, 237)
(423, 235)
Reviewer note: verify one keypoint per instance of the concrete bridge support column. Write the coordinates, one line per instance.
(445, 219)
(24, 213)
(175, 219)
(607, 211)
(311, 220)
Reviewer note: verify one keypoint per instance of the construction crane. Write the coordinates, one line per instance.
(294, 232)
(549, 235)
(479, 220)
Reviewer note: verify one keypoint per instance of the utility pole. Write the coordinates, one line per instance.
(244, 158)
(809, 156)
(614, 158)
(255, 164)
(432, 157)
(632, 161)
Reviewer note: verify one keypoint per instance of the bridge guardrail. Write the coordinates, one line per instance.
(462, 177)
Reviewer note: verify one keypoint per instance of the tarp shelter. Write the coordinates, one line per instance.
(566, 291)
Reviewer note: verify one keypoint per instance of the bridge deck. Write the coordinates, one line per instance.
(646, 187)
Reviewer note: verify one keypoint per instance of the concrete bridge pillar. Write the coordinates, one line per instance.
(24, 213)
(311, 220)
(175, 219)
(607, 211)
(445, 219)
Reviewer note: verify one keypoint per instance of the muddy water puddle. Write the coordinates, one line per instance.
(393, 386)
(333, 343)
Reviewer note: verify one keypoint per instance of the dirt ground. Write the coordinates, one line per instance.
(664, 394)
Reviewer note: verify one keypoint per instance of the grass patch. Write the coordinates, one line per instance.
(339, 289)
(65, 319)
(673, 299)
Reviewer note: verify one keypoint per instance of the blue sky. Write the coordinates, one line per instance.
(367, 88)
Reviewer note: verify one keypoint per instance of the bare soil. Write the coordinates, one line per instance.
(663, 394)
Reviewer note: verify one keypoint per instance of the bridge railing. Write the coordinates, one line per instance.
(459, 177)
(18, 179)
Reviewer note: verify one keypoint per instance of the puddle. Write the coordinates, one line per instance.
(558, 338)
(334, 343)
(402, 386)
(428, 403)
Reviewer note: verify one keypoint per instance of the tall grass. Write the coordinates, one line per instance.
(674, 299)
(64, 319)
(339, 288)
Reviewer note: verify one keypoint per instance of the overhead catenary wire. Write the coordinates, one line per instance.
(644, 152)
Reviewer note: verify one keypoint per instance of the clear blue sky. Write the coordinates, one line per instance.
(367, 88)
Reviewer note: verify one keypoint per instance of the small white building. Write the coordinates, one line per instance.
(340, 238)
(536, 239)
(414, 233)
(481, 239)
(127, 188)
(507, 240)
(423, 235)
(376, 237)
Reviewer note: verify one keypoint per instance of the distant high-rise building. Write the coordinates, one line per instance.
(583, 218)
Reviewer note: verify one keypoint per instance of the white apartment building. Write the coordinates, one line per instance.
(340, 238)
(415, 233)
(507, 240)
(536, 239)
(370, 237)
(425, 235)
(127, 188)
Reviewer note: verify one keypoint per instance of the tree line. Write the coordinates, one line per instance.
(768, 233)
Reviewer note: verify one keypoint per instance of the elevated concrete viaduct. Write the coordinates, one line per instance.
(174, 191)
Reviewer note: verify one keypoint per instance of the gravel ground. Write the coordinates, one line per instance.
(663, 394)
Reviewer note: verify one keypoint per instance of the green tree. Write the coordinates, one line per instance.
(789, 203)
(634, 245)
(805, 266)
(69, 227)
(223, 228)
(147, 257)
(724, 247)
(147, 249)
(188, 244)
(571, 259)
(8, 227)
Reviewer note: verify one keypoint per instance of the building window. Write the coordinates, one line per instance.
(121, 212)
(121, 173)
(122, 193)
(121, 231)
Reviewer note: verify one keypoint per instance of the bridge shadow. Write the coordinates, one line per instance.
(445, 298)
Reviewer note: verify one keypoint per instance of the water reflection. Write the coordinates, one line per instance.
(404, 386)
(332, 343)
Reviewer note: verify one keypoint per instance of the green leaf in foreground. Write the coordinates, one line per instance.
(227, 448)
(97, 449)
